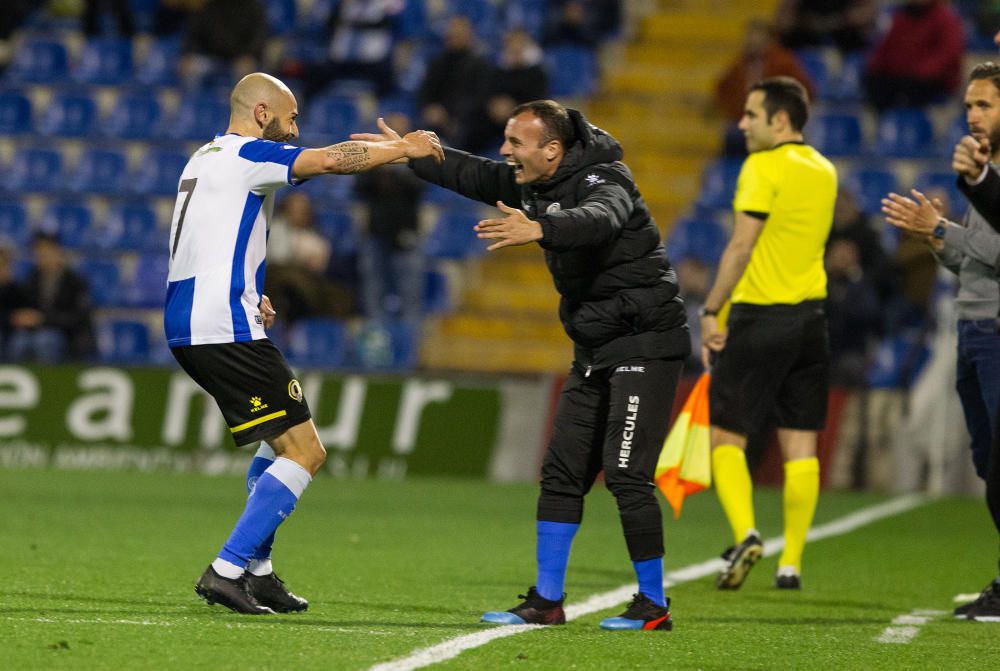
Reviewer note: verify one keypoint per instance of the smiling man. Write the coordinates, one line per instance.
(563, 186)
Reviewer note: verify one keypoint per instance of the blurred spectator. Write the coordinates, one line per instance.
(95, 11)
(851, 223)
(391, 260)
(55, 322)
(172, 16)
(761, 57)
(298, 258)
(581, 23)
(520, 77)
(11, 296)
(454, 89)
(224, 38)
(848, 24)
(854, 313)
(987, 16)
(919, 60)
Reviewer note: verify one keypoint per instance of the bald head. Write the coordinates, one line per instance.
(262, 106)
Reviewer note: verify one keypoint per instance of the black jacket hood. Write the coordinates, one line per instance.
(591, 146)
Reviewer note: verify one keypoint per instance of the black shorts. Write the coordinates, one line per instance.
(775, 366)
(252, 384)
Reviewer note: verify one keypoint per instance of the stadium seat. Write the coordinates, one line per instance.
(904, 133)
(200, 118)
(337, 226)
(573, 71)
(318, 342)
(816, 64)
(334, 115)
(281, 16)
(135, 116)
(69, 115)
(528, 15)
(123, 341)
(718, 183)
(453, 236)
(437, 294)
(15, 113)
(159, 67)
(898, 361)
(13, 223)
(100, 171)
(835, 134)
(105, 61)
(386, 345)
(148, 288)
(700, 236)
(159, 172)
(846, 86)
(39, 61)
(70, 221)
(871, 185)
(945, 181)
(104, 278)
(132, 227)
(34, 170)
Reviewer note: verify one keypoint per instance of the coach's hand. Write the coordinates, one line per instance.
(267, 311)
(970, 157)
(918, 215)
(514, 229)
(712, 339)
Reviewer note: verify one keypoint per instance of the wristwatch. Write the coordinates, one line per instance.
(940, 229)
(704, 312)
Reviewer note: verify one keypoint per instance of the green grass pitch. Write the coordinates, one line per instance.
(98, 572)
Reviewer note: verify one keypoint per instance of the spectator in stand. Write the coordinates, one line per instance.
(55, 322)
(93, 14)
(11, 296)
(850, 223)
(519, 78)
(848, 24)
(298, 258)
(581, 23)
(224, 38)
(918, 62)
(391, 261)
(453, 92)
(15, 12)
(854, 310)
(762, 57)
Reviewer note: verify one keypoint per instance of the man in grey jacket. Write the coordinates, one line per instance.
(971, 250)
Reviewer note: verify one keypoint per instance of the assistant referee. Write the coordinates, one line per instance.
(774, 360)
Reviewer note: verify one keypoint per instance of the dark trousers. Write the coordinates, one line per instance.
(613, 419)
(978, 385)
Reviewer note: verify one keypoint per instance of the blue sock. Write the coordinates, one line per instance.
(552, 554)
(650, 575)
(261, 460)
(273, 499)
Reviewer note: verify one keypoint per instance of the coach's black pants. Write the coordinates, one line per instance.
(613, 419)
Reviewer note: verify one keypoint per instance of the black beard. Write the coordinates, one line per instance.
(273, 132)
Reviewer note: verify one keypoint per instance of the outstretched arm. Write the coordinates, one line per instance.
(358, 155)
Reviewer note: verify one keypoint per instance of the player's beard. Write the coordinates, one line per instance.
(273, 132)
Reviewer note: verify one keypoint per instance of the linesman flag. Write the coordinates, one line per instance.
(685, 465)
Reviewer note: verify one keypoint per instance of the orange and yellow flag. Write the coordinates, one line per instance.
(685, 465)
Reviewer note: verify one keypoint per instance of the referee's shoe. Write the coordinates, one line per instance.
(535, 609)
(270, 591)
(229, 592)
(739, 560)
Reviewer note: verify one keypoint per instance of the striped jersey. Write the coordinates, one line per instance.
(218, 239)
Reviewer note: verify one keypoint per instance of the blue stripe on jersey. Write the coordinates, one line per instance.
(241, 327)
(177, 315)
(259, 279)
(265, 151)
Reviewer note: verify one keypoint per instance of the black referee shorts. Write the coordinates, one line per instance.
(252, 384)
(775, 365)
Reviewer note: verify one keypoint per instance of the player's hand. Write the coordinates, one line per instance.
(712, 339)
(918, 216)
(970, 157)
(514, 229)
(267, 311)
(421, 143)
(386, 135)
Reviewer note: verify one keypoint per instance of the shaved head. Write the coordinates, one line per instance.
(262, 101)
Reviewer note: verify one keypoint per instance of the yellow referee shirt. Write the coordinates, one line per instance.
(795, 186)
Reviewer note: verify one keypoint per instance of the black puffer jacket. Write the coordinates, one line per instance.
(619, 293)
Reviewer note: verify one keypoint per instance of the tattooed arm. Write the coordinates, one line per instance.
(359, 155)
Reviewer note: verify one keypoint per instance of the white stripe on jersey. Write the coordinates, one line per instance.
(218, 239)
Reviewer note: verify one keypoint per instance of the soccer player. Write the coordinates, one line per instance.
(774, 357)
(215, 316)
(563, 186)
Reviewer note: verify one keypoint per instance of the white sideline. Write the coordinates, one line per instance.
(455, 646)
(905, 627)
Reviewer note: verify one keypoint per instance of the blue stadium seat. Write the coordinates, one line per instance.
(835, 134)
(573, 71)
(334, 115)
(846, 86)
(159, 67)
(945, 181)
(13, 223)
(34, 170)
(718, 183)
(15, 113)
(701, 236)
(898, 360)
(871, 185)
(318, 342)
(100, 171)
(281, 16)
(39, 61)
(132, 226)
(437, 295)
(159, 172)
(105, 61)
(69, 115)
(528, 15)
(200, 118)
(71, 221)
(816, 65)
(104, 278)
(386, 345)
(337, 226)
(148, 288)
(123, 341)
(453, 236)
(904, 133)
(135, 116)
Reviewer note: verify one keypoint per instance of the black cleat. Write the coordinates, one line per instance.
(270, 591)
(642, 614)
(787, 578)
(533, 610)
(987, 607)
(739, 560)
(962, 611)
(229, 592)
